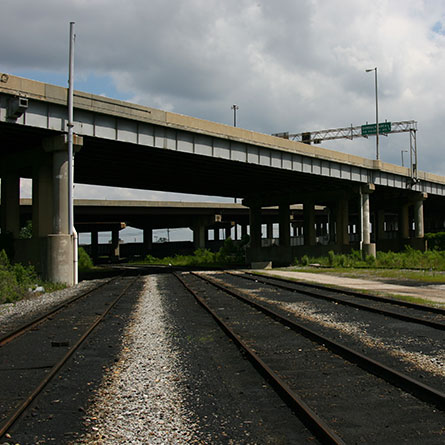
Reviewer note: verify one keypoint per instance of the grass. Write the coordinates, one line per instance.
(18, 281)
(230, 254)
(422, 276)
(432, 260)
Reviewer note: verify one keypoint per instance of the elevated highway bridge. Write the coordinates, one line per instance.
(127, 145)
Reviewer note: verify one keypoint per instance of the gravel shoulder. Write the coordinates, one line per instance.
(13, 315)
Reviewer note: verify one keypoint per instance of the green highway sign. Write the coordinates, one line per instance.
(384, 127)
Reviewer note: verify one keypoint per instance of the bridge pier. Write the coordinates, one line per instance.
(341, 213)
(148, 239)
(255, 226)
(95, 245)
(310, 236)
(58, 264)
(115, 249)
(419, 224)
(404, 221)
(368, 248)
(10, 196)
(380, 225)
(284, 224)
(199, 236)
(51, 247)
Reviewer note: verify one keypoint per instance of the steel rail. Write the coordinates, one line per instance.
(408, 304)
(8, 337)
(313, 422)
(394, 377)
(387, 312)
(56, 368)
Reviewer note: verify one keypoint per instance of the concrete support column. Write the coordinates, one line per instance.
(367, 246)
(60, 192)
(115, 244)
(284, 220)
(216, 234)
(404, 221)
(418, 216)
(342, 221)
(331, 225)
(269, 230)
(95, 245)
(58, 258)
(366, 219)
(10, 195)
(380, 225)
(243, 230)
(199, 236)
(42, 189)
(59, 254)
(309, 224)
(255, 226)
(148, 239)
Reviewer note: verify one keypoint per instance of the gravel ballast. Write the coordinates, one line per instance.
(141, 401)
(14, 314)
(179, 380)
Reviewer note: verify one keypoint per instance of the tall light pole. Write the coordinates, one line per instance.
(376, 114)
(72, 230)
(234, 108)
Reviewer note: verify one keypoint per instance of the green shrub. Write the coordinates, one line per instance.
(436, 241)
(85, 262)
(230, 253)
(26, 231)
(8, 286)
(25, 276)
(407, 259)
(331, 258)
(304, 261)
(15, 280)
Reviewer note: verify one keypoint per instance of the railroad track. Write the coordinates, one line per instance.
(34, 322)
(33, 355)
(403, 310)
(342, 395)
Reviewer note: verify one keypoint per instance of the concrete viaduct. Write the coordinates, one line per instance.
(220, 220)
(127, 145)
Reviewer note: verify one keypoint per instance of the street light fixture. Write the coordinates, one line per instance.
(234, 108)
(376, 114)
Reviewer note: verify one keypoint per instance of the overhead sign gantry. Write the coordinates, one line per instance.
(360, 131)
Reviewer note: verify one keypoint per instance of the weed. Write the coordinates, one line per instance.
(231, 253)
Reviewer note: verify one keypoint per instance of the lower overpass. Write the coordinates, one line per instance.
(211, 224)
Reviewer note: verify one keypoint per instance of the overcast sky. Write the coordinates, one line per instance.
(290, 65)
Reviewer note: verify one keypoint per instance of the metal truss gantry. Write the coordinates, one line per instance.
(316, 137)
